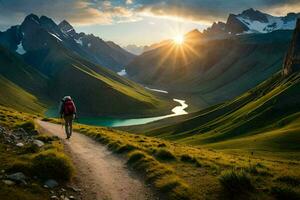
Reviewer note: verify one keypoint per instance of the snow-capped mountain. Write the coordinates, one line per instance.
(253, 21)
(39, 34)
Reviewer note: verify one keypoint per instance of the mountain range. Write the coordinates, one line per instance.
(23, 38)
(252, 21)
(210, 71)
(46, 61)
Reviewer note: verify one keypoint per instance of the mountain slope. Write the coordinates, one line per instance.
(22, 87)
(265, 118)
(212, 70)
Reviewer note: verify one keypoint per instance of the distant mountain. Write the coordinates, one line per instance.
(252, 21)
(20, 39)
(211, 71)
(136, 50)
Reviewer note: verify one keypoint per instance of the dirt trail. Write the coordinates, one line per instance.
(101, 174)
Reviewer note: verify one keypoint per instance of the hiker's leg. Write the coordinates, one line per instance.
(67, 127)
(71, 127)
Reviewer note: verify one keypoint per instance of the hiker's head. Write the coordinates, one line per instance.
(67, 98)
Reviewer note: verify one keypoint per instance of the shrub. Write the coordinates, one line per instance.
(20, 166)
(236, 181)
(162, 145)
(290, 180)
(135, 156)
(126, 148)
(173, 187)
(46, 138)
(187, 158)
(30, 148)
(164, 154)
(27, 126)
(285, 193)
(52, 165)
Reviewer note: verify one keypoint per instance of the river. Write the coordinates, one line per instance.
(116, 122)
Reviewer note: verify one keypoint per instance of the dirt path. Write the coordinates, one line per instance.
(101, 174)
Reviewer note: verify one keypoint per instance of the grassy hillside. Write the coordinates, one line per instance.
(15, 97)
(180, 171)
(37, 163)
(265, 119)
(97, 91)
(212, 71)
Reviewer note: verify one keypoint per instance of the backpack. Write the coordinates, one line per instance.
(69, 108)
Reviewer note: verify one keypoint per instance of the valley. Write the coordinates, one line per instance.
(210, 114)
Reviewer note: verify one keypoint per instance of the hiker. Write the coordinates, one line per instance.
(68, 112)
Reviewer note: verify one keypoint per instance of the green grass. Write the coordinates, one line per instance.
(194, 171)
(44, 162)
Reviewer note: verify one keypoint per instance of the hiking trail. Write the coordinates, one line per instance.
(102, 175)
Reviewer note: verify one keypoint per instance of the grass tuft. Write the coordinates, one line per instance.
(281, 192)
(27, 126)
(53, 165)
(164, 154)
(290, 180)
(235, 181)
(135, 156)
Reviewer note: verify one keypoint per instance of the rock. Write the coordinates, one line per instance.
(63, 190)
(39, 143)
(8, 182)
(2, 171)
(51, 183)
(64, 197)
(74, 189)
(20, 144)
(72, 197)
(18, 177)
(54, 197)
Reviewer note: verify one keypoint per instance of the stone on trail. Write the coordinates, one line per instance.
(50, 183)
(39, 143)
(8, 182)
(18, 177)
(20, 144)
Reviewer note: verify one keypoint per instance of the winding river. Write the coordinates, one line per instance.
(116, 122)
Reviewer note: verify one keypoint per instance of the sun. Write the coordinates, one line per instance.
(179, 39)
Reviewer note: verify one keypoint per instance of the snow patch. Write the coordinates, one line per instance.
(122, 72)
(79, 41)
(20, 50)
(156, 90)
(55, 36)
(274, 23)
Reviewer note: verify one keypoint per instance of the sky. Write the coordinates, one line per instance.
(140, 22)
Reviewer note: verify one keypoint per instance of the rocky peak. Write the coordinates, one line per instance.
(66, 27)
(233, 25)
(254, 15)
(292, 60)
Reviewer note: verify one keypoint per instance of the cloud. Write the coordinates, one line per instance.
(87, 12)
(212, 10)
(78, 12)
